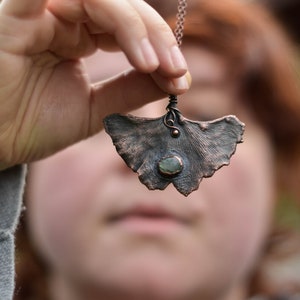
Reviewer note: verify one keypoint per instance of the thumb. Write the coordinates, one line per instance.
(125, 92)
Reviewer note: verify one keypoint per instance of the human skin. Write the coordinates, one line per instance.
(47, 101)
(105, 236)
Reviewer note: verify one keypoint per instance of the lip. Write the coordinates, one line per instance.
(149, 220)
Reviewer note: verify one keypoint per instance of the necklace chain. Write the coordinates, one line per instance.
(182, 5)
(173, 115)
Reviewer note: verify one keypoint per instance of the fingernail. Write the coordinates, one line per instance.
(181, 83)
(149, 56)
(177, 58)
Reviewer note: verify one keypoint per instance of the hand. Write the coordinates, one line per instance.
(46, 99)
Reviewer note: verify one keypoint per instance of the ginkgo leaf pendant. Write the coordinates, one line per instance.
(173, 149)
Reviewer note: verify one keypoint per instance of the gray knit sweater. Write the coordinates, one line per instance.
(11, 191)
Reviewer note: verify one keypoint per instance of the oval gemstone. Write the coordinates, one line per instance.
(170, 166)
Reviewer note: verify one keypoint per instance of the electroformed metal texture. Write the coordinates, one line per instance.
(173, 149)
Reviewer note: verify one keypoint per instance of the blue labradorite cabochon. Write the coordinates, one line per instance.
(170, 166)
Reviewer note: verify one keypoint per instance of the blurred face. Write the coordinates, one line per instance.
(99, 227)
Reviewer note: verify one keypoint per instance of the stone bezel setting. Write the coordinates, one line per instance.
(170, 166)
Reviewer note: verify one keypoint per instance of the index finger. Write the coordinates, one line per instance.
(132, 24)
(141, 33)
(122, 20)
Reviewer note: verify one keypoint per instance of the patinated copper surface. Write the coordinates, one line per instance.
(202, 147)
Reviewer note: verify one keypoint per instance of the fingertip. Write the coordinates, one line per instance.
(189, 78)
(176, 86)
(182, 84)
(172, 63)
(177, 60)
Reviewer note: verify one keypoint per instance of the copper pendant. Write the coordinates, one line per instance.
(173, 149)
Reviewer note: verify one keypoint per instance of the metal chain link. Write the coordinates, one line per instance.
(173, 116)
(182, 5)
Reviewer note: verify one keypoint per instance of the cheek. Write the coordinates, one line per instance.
(53, 207)
(240, 201)
(63, 200)
(60, 194)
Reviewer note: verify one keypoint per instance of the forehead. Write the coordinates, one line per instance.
(204, 65)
